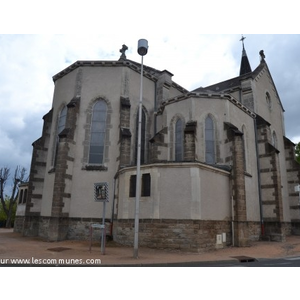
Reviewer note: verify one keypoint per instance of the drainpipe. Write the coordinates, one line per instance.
(113, 206)
(155, 108)
(232, 210)
(232, 221)
(259, 181)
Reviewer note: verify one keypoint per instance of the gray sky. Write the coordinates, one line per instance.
(175, 31)
(176, 43)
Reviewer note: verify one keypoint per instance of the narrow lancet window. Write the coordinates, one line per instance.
(179, 140)
(98, 129)
(209, 141)
(61, 124)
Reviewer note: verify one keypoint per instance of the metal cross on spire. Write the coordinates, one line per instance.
(242, 40)
(245, 65)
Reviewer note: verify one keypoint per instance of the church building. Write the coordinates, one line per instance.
(216, 166)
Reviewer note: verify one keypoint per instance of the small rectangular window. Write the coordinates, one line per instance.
(21, 197)
(132, 186)
(145, 188)
(146, 185)
(25, 196)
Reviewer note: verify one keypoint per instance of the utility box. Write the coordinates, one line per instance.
(219, 239)
(224, 237)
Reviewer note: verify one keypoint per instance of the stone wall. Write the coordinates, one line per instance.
(158, 146)
(190, 141)
(293, 174)
(18, 224)
(79, 228)
(125, 134)
(74, 228)
(235, 145)
(271, 186)
(36, 176)
(186, 235)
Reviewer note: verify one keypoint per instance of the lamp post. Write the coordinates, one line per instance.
(142, 50)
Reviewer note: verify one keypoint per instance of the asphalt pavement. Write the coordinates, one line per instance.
(16, 250)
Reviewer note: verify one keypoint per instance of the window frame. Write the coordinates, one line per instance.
(274, 140)
(62, 120)
(145, 185)
(179, 140)
(60, 126)
(98, 129)
(269, 101)
(210, 140)
(132, 186)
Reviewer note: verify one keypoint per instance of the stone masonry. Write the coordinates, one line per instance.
(38, 167)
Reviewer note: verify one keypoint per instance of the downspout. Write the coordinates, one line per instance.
(232, 221)
(155, 108)
(232, 209)
(259, 180)
(113, 206)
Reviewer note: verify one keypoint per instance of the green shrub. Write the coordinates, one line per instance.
(3, 216)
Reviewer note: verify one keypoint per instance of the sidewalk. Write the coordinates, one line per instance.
(16, 249)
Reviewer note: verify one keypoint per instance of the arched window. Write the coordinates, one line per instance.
(21, 196)
(209, 141)
(179, 140)
(245, 146)
(62, 120)
(274, 140)
(98, 128)
(268, 100)
(61, 124)
(25, 196)
(143, 137)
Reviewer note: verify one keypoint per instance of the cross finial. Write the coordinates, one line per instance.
(242, 40)
(262, 55)
(123, 50)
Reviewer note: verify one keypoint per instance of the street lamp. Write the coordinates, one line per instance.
(142, 50)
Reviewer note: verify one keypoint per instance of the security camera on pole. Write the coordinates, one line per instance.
(142, 50)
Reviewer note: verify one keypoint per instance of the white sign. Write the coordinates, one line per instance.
(297, 188)
(101, 191)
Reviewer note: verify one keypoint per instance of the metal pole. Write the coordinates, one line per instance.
(103, 236)
(138, 172)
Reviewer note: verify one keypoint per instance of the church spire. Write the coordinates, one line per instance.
(245, 65)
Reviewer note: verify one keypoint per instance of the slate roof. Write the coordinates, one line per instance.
(229, 85)
(232, 83)
(245, 65)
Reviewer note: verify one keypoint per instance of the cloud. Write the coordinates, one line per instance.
(28, 63)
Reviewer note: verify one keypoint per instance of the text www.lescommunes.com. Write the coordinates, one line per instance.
(49, 261)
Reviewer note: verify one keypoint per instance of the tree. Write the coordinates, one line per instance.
(297, 152)
(3, 216)
(8, 202)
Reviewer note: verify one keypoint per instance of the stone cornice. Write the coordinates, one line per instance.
(102, 63)
(206, 95)
(117, 63)
(221, 169)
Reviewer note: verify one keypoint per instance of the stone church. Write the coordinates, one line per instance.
(216, 166)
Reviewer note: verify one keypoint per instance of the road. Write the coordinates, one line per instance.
(280, 262)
